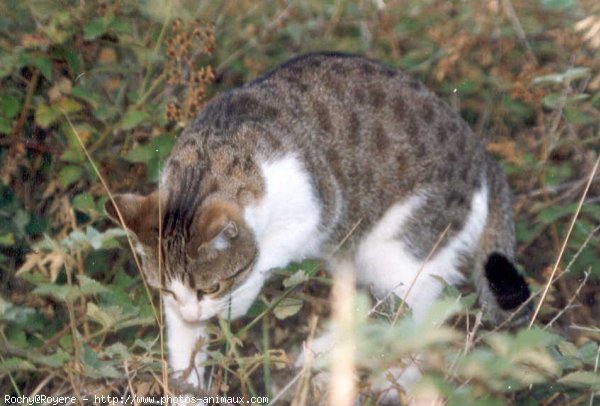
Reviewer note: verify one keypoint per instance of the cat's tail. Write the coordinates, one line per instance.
(502, 290)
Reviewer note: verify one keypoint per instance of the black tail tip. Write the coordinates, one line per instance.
(507, 285)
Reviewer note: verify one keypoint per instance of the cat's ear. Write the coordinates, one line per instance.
(230, 230)
(222, 240)
(217, 224)
(139, 213)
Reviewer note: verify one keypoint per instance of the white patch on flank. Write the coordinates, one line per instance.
(385, 264)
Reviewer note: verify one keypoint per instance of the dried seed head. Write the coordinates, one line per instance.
(176, 26)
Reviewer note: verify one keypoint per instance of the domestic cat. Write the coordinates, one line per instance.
(325, 148)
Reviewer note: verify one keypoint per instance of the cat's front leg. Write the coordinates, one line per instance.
(187, 353)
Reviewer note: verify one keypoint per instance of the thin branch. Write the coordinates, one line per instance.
(570, 302)
(514, 19)
(18, 125)
(414, 281)
(564, 246)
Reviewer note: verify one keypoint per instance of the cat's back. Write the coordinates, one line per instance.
(373, 132)
(368, 134)
(334, 105)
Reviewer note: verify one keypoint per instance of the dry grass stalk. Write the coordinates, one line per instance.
(342, 388)
(157, 316)
(564, 246)
(412, 283)
(301, 395)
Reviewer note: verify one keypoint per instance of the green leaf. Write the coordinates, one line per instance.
(558, 4)
(103, 240)
(120, 25)
(582, 379)
(295, 279)
(133, 118)
(551, 214)
(87, 96)
(59, 292)
(45, 66)
(15, 364)
(96, 368)
(73, 155)
(89, 357)
(565, 77)
(7, 240)
(287, 308)
(568, 349)
(440, 311)
(71, 57)
(116, 349)
(162, 145)
(152, 154)
(105, 317)
(84, 202)
(555, 100)
(93, 29)
(5, 125)
(46, 115)
(141, 154)
(69, 175)
(589, 353)
(55, 360)
(10, 312)
(534, 338)
(67, 105)
(89, 286)
(257, 308)
(10, 106)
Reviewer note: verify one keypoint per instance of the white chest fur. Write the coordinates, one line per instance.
(286, 221)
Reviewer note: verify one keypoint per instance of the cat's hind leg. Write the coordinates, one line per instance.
(389, 266)
(387, 261)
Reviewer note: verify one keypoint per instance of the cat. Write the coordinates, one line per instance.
(325, 148)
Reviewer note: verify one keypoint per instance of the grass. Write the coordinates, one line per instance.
(93, 95)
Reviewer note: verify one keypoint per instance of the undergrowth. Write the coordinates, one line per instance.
(122, 78)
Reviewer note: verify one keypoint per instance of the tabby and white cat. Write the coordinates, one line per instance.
(324, 148)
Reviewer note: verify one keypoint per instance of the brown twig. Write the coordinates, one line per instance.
(301, 395)
(570, 302)
(36, 146)
(20, 123)
(514, 19)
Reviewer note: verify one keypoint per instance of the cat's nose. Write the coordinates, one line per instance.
(190, 312)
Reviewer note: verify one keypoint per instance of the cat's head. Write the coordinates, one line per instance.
(205, 254)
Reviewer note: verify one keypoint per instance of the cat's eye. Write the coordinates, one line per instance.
(214, 288)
